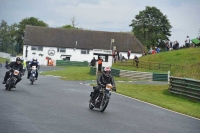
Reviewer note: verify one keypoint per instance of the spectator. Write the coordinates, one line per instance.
(167, 46)
(100, 60)
(120, 56)
(136, 60)
(93, 61)
(144, 53)
(153, 51)
(157, 50)
(170, 44)
(187, 42)
(129, 53)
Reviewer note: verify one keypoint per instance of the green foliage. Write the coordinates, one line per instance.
(150, 26)
(21, 28)
(7, 36)
(68, 27)
(3, 60)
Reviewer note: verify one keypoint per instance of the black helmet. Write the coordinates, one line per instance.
(106, 71)
(18, 59)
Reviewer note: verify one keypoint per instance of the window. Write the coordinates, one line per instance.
(37, 48)
(83, 51)
(40, 48)
(33, 48)
(62, 50)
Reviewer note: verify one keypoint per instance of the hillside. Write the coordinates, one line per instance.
(188, 56)
(187, 59)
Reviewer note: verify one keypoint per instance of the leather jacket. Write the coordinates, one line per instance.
(102, 80)
(17, 66)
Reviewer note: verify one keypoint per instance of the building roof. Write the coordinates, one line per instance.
(86, 39)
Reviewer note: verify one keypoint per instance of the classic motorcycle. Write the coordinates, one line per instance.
(101, 99)
(10, 83)
(33, 74)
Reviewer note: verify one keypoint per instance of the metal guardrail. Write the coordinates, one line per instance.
(135, 75)
(186, 87)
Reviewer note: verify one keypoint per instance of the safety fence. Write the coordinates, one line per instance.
(186, 87)
(70, 63)
(135, 75)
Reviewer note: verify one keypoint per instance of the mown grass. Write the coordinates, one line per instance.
(3, 60)
(77, 73)
(159, 95)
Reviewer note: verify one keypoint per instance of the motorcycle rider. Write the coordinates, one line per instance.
(16, 65)
(103, 79)
(34, 62)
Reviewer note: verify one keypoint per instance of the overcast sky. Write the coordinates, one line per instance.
(105, 15)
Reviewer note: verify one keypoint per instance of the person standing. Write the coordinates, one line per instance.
(100, 60)
(187, 42)
(136, 60)
(129, 53)
(93, 61)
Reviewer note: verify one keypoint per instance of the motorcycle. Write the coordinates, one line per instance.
(10, 83)
(33, 74)
(101, 99)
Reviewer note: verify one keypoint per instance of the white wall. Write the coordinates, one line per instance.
(75, 55)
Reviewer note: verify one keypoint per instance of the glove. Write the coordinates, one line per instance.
(114, 89)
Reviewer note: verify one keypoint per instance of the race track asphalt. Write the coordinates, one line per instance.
(52, 105)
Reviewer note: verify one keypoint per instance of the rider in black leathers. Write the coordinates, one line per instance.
(16, 65)
(103, 79)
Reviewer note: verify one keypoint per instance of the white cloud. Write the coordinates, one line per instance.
(107, 15)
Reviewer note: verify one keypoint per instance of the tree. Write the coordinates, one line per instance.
(67, 26)
(73, 19)
(150, 26)
(21, 29)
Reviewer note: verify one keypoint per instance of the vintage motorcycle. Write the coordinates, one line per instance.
(10, 83)
(101, 99)
(33, 74)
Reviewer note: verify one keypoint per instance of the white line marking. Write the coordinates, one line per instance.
(157, 106)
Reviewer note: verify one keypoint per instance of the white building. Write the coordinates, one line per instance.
(76, 45)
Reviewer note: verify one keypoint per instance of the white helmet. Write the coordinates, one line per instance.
(35, 60)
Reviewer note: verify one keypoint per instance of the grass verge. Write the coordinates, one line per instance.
(77, 73)
(160, 96)
(3, 60)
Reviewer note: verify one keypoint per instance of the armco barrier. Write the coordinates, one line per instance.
(185, 87)
(135, 75)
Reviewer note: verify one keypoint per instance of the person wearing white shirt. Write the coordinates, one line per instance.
(187, 42)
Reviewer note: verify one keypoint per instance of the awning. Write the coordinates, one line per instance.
(196, 41)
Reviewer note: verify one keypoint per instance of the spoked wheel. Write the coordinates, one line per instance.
(90, 104)
(103, 105)
(8, 87)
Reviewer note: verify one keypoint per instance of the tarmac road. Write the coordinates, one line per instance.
(52, 105)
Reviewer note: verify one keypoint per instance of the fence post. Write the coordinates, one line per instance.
(168, 77)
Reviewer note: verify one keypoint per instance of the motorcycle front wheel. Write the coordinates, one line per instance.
(104, 104)
(90, 104)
